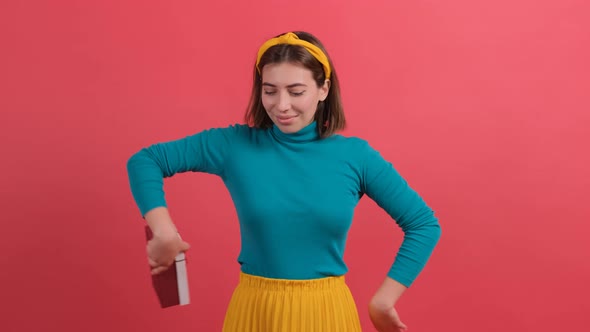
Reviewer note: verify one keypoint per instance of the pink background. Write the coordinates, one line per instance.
(482, 105)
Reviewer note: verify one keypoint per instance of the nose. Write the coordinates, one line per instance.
(284, 102)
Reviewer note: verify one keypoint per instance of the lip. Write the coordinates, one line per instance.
(285, 120)
(285, 117)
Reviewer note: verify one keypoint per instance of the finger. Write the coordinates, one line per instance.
(185, 246)
(401, 326)
(159, 269)
(398, 323)
(152, 263)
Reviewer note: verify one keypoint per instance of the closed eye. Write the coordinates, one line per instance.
(295, 94)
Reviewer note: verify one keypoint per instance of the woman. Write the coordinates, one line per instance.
(295, 184)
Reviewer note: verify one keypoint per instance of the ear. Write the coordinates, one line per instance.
(324, 89)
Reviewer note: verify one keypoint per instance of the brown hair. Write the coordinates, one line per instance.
(329, 114)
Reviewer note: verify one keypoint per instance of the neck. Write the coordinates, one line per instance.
(306, 134)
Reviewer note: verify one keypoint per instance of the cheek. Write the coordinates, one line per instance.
(266, 104)
(308, 104)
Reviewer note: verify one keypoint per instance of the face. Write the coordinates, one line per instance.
(290, 95)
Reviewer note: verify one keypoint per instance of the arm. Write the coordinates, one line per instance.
(382, 183)
(206, 152)
(203, 152)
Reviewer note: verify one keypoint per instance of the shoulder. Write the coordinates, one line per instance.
(359, 152)
(236, 136)
(235, 128)
(230, 132)
(352, 144)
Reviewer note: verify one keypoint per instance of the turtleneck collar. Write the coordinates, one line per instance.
(306, 134)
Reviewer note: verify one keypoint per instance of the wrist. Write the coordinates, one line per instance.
(160, 223)
(388, 294)
(381, 302)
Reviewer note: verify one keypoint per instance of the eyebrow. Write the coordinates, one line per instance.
(288, 86)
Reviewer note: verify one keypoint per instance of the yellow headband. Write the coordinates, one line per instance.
(292, 39)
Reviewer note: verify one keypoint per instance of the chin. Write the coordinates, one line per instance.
(289, 129)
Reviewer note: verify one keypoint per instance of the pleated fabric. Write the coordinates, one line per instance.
(277, 305)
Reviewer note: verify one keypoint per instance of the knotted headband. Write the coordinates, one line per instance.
(292, 39)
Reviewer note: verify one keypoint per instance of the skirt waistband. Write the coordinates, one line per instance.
(290, 284)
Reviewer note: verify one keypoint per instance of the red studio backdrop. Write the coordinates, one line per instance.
(483, 106)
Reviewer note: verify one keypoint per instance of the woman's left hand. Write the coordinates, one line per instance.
(385, 318)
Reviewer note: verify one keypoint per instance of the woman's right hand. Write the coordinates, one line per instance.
(165, 244)
(162, 249)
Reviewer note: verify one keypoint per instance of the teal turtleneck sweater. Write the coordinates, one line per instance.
(294, 194)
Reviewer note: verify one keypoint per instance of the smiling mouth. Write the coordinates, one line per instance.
(285, 120)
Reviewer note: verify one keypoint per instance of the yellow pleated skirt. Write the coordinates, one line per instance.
(278, 305)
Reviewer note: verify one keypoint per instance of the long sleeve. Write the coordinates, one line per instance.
(206, 151)
(382, 183)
